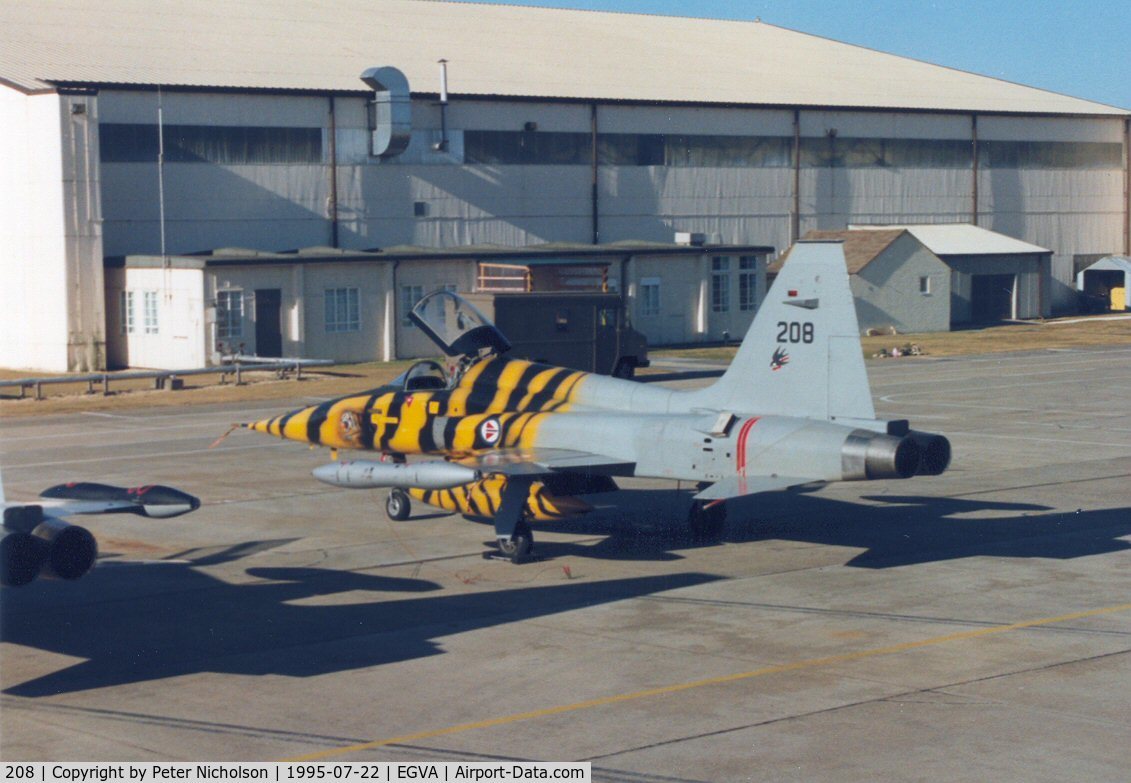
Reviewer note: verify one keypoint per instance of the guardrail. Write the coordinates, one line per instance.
(171, 379)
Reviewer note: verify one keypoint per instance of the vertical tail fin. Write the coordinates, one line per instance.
(802, 355)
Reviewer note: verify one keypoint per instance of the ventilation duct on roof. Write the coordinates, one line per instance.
(390, 111)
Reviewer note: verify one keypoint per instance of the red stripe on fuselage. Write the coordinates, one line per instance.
(740, 459)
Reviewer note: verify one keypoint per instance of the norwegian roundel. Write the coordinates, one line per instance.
(489, 431)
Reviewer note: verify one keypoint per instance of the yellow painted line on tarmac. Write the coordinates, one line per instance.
(809, 663)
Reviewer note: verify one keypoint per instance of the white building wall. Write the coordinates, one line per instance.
(687, 308)
(373, 282)
(50, 259)
(177, 339)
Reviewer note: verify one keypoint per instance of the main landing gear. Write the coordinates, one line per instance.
(518, 547)
(512, 531)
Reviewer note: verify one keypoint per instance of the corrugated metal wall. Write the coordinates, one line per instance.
(855, 167)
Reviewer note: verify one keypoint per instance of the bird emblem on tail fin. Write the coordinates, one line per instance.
(780, 359)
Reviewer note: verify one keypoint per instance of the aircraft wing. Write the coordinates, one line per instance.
(544, 462)
(738, 486)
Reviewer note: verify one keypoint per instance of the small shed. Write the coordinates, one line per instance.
(995, 277)
(1105, 284)
(898, 284)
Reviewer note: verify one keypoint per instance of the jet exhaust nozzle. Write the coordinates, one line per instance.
(934, 453)
(52, 549)
(366, 474)
(872, 455)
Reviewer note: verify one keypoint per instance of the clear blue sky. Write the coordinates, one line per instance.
(1075, 47)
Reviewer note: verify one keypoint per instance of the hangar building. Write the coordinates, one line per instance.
(128, 127)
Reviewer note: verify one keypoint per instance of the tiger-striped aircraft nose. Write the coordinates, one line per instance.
(292, 425)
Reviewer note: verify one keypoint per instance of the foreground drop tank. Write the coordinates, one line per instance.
(367, 474)
(154, 500)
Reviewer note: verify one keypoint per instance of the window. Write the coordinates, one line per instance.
(126, 310)
(650, 296)
(552, 148)
(343, 312)
(410, 295)
(138, 143)
(149, 302)
(630, 149)
(654, 149)
(1050, 155)
(747, 283)
(846, 152)
(720, 284)
(229, 314)
(924, 285)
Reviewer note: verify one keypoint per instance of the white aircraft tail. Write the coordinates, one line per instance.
(801, 356)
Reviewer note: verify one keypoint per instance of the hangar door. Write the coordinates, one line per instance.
(992, 297)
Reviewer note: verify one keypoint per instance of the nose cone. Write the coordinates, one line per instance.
(291, 425)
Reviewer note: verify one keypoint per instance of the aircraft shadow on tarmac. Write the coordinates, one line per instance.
(148, 621)
(154, 620)
(901, 530)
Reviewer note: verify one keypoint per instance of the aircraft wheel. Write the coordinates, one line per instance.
(397, 505)
(706, 523)
(520, 544)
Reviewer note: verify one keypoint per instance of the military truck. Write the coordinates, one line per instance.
(584, 330)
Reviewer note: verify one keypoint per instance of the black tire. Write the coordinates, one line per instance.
(397, 505)
(625, 369)
(520, 544)
(707, 524)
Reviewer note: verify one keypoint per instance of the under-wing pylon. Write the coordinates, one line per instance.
(516, 441)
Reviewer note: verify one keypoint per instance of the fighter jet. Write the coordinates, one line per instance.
(38, 542)
(517, 441)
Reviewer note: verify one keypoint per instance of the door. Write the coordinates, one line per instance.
(1119, 299)
(268, 328)
(991, 297)
(606, 343)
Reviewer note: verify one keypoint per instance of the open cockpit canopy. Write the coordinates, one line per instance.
(457, 326)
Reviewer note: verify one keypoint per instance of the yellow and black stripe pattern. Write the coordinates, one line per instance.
(498, 403)
(405, 422)
(482, 499)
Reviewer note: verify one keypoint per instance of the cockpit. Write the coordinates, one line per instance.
(457, 326)
(425, 375)
(459, 329)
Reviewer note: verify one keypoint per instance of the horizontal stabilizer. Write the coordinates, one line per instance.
(738, 486)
